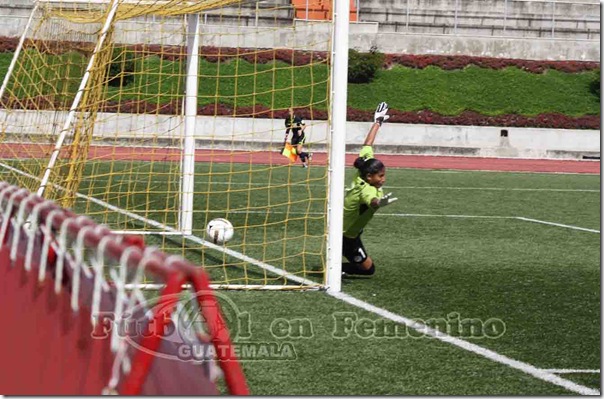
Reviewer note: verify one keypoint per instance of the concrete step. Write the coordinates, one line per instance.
(276, 9)
(583, 8)
(482, 30)
(246, 20)
(525, 21)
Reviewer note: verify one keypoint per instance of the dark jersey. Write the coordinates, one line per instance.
(294, 124)
(298, 137)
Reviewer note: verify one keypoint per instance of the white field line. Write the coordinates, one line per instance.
(223, 183)
(562, 190)
(193, 238)
(158, 286)
(567, 226)
(523, 172)
(541, 374)
(572, 371)
(435, 215)
(428, 215)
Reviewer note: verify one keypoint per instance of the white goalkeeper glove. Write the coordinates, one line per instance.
(381, 113)
(386, 200)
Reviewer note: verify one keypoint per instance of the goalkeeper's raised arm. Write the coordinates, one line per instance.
(363, 198)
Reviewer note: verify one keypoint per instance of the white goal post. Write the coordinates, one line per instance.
(192, 130)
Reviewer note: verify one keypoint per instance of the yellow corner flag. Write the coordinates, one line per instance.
(289, 151)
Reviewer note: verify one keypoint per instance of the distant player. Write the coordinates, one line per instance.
(296, 125)
(362, 199)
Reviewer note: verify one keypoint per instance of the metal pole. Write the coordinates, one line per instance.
(407, 21)
(455, 18)
(77, 99)
(505, 15)
(188, 157)
(553, 17)
(337, 150)
(257, 11)
(307, 10)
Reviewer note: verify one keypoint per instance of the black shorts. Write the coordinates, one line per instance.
(298, 138)
(353, 249)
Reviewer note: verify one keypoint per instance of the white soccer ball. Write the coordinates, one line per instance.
(219, 231)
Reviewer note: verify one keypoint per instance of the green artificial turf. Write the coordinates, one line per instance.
(541, 281)
(451, 249)
(451, 253)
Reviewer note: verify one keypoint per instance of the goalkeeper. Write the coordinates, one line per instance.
(362, 199)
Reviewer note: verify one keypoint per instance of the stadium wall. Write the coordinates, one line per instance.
(574, 19)
(267, 134)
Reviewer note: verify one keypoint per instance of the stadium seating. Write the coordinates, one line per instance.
(517, 18)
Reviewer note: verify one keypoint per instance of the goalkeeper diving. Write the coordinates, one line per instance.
(362, 199)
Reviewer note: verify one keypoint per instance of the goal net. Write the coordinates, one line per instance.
(73, 328)
(155, 117)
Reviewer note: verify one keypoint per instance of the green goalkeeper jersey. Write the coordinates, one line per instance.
(357, 201)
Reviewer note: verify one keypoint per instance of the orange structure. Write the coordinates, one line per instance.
(320, 9)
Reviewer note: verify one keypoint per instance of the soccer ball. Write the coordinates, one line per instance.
(219, 231)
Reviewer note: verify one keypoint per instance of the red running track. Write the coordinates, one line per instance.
(490, 164)
(266, 157)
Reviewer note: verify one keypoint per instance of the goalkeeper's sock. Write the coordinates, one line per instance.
(355, 268)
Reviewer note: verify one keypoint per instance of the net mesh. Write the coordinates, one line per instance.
(65, 280)
(107, 100)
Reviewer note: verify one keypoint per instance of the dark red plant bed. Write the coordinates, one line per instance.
(467, 118)
(450, 62)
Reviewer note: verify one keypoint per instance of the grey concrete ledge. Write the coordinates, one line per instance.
(266, 134)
